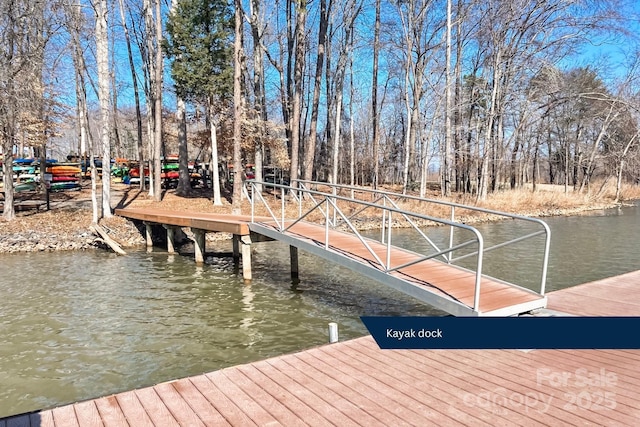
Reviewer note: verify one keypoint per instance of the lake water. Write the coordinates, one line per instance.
(76, 326)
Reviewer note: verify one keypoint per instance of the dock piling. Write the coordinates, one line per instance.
(333, 332)
(246, 257)
(293, 252)
(199, 243)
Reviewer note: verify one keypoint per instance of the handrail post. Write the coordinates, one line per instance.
(282, 206)
(545, 258)
(384, 218)
(453, 218)
(300, 197)
(335, 192)
(252, 202)
(388, 260)
(476, 294)
(326, 227)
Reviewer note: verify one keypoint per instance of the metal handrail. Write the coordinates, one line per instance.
(545, 228)
(330, 200)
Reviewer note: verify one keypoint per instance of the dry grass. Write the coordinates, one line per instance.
(72, 211)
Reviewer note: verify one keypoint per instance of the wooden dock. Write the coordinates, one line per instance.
(200, 224)
(444, 286)
(354, 383)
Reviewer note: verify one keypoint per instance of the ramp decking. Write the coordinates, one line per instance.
(444, 286)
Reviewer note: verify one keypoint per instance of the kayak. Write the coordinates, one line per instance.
(64, 170)
(60, 186)
(64, 178)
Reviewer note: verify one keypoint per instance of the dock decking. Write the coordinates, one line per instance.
(354, 383)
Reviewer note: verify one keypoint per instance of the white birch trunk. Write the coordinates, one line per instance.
(102, 57)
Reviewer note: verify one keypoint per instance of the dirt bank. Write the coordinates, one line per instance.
(67, 225)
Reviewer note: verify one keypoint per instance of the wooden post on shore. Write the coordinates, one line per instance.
(199, 243)
(293, 252)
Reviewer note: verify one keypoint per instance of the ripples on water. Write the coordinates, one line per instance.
(80, 325)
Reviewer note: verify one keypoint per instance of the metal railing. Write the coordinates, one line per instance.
(385, 197)
(332, 216)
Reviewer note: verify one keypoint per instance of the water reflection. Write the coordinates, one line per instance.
(80, 325)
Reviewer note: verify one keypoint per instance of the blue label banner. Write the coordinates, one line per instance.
(505, 332)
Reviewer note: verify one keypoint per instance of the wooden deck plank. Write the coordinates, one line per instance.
(362, 405)
(308, 376)
(496, 364)
(236, 395)
(177, 406)
(110, 412)
(404, 406)
(155, 407)
(65, 416)
(133, 409)
(236, 224)
(88, 415)
(226, 407)
(426, 388)
(261, 392)
(390, 375)
(616, 296)
(319, 411)
(200, 405)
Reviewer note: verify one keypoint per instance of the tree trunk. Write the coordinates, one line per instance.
(301, 16)
(102, 57)
(215, 175)
(159, 67)
(374, 97)
(310, 147)
(184, 179)
(237, 112)
(136, 94)
(259, 89)
(446, 164)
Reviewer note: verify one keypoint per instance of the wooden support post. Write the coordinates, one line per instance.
(148, 235)
(199, 244)
(293, 252)
(236, 249)
(246, 257)
(171, 238)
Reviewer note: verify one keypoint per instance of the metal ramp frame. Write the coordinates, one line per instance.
(456, 290)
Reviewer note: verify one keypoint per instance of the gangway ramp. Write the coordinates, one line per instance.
(330, 234)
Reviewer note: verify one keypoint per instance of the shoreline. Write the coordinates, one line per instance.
(67, 225)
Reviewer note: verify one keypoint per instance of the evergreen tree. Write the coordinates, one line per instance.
(200, 45)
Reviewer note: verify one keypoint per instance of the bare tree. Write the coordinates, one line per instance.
(300, 52)
(22, 45)
(238, 110)
(310, 147)
(374, 96)
(136, 94)
(102, 57)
